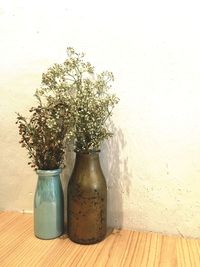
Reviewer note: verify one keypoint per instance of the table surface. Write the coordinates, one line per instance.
(19, 247)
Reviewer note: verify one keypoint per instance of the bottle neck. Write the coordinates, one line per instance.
(87, 160)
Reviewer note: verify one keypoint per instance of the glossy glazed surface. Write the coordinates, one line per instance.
(48, 205)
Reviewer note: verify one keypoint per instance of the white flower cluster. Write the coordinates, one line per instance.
(86, 95)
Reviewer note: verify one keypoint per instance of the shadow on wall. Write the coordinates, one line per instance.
(66, 173)
(115, 169)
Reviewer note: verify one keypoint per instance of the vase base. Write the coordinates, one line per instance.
(49, 237)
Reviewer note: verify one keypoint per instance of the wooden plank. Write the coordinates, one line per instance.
(188, 252)
(19, 247)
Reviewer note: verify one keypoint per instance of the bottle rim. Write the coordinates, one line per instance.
(48, 172)
(87, 152)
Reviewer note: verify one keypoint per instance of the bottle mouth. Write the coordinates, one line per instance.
(48, 172)
(95, 151)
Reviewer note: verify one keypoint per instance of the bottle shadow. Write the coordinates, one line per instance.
(65, 176)
(115, 169)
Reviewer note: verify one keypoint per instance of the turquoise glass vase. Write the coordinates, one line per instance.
(48, 205)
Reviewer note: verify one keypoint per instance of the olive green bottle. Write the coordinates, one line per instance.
(87, 200)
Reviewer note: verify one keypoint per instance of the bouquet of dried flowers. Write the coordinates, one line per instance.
(89, 95)
(74, 104)
(44, 134)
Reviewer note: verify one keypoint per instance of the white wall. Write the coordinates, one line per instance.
(152, 164)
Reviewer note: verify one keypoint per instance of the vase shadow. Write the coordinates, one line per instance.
(115, 168)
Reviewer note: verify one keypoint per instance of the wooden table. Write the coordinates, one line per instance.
(19, 247)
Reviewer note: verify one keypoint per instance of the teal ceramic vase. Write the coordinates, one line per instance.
(48, 205)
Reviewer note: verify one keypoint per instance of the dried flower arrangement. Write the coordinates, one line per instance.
(74, 104)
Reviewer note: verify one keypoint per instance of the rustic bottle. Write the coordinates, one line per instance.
(87, 200)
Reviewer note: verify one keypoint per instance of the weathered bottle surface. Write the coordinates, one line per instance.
(87, 200)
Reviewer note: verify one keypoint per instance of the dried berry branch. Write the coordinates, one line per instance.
(45, 133)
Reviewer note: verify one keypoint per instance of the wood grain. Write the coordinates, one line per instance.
(19, 247)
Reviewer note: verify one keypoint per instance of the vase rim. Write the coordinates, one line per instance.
(48, 172)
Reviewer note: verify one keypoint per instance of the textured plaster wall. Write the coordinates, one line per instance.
(152, 164)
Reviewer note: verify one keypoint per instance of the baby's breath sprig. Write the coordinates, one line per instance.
(88, 93)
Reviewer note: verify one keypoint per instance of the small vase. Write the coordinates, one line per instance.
(48, 205)
(87, 200)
